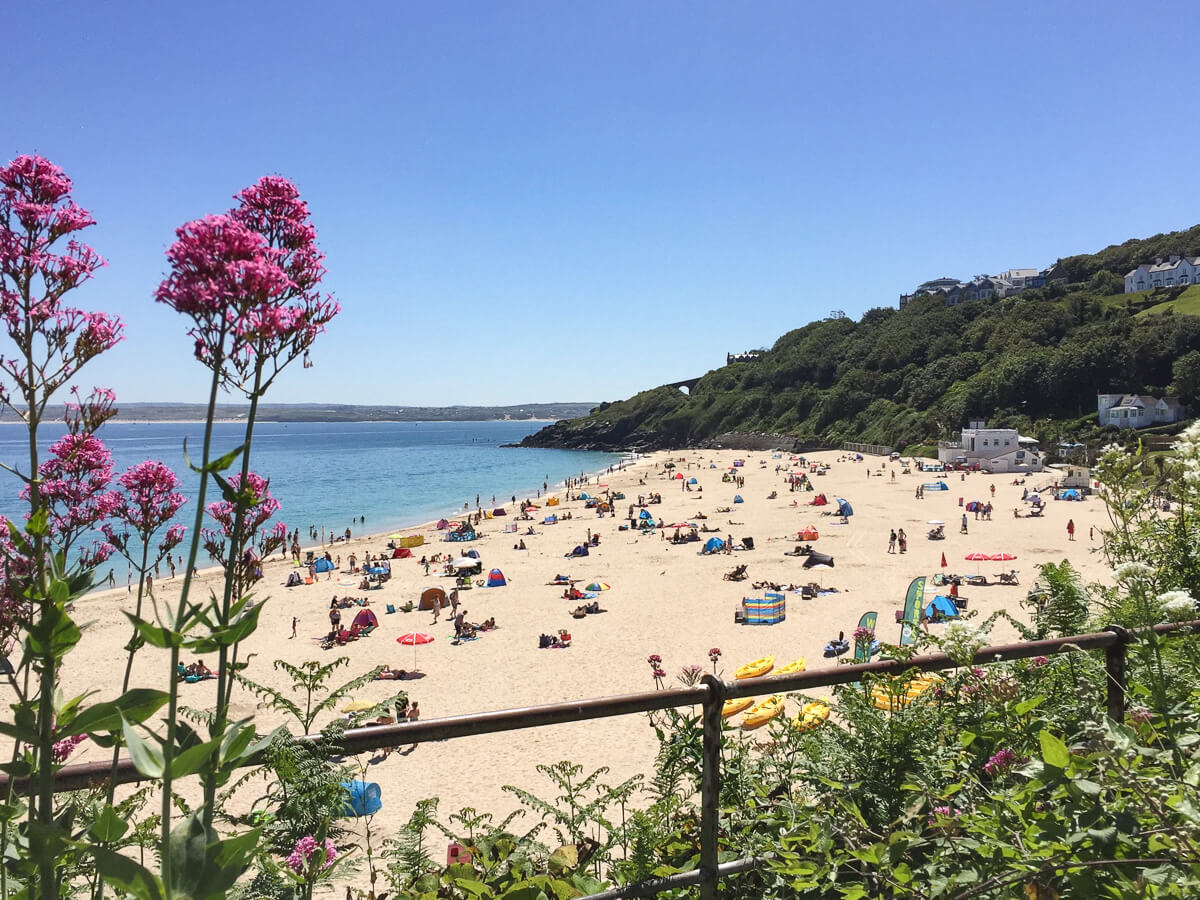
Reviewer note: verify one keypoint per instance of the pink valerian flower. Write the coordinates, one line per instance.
(15, 571)
(660, 673)
(85, 415)
(172, 539)
(249, 280)
(1038, 661)
(62, 749)
(306, 848)
(690, 675)
(148, 501)
(230, 544)
(74, 486)
(36, 213)
(1139, 715)
(714, 654)
(654, 659)
(864, 635)
(1001, 761)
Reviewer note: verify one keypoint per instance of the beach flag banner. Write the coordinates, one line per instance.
(912, 611)
(862, 652)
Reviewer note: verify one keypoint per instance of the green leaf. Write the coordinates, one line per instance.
(967, 738)
(122, 872)
(155, 635)
(902, 873)
(191, 760)
(227, 860)
(134, 706)
(147, 758)
(54, 633)
(188, 849)
(1054, 751)
(1027, 705)
(109, 826)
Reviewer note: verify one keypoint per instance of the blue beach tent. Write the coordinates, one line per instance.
(942, 607)
(322, 565)
(714, 545)
(363, 798)
(844, 507)
(935, 486)
(693, 481)
(645, 514)
(737, 498)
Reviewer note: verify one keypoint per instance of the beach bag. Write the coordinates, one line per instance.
(363, 798)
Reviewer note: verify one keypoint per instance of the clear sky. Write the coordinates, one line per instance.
(536, 201)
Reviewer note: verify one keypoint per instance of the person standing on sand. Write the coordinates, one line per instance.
(892, 542)
(902, 540)
(295, 622)
(1070, 529)
(437, 609)
(414, 714)
(112, 578)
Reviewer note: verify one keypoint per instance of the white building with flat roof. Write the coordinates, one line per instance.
(992, 449)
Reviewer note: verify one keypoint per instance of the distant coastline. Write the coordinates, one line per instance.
(287, 413)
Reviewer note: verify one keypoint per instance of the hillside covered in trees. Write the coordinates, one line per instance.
(909, 377)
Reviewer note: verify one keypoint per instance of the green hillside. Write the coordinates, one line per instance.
(911, 376)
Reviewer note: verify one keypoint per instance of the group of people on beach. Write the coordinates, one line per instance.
(898, 539)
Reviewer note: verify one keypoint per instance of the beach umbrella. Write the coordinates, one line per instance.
(683, 525)
(935, 522)
(1003, 557)
(463, 561)
(944, 560)
(598, 586)
(357, 706)
(978, 557)
(395, 537)
(413, 638)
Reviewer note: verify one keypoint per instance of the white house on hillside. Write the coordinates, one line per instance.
(1137, 411)
(1176, 270)
(994, 449)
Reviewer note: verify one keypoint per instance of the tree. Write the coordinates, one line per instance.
(1185, 373)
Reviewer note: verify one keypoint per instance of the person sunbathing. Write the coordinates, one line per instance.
(489, 624)
(386, 673)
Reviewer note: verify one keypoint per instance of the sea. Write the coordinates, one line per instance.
(329, 475)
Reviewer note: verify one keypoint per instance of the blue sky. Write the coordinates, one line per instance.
(535, 201)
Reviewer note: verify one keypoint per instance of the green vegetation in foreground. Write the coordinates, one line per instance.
(904, 377)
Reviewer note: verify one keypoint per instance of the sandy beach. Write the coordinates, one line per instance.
(664, 598)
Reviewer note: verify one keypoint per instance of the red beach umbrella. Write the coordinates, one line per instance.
(1003, 557)
(413, 638)
(977, 557)
(943, 560)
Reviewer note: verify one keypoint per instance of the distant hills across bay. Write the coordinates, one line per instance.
(337, 412)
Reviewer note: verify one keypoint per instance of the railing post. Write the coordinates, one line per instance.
(710, 786)
(1114, 670)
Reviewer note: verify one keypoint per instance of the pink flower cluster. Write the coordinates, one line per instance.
(714, 654)
(304, 851)
(249, 281)
(864, 635)
(74, 486)
(148, 501)
(64, 748)
(1001, 761)
(228, 542)
(36, 212)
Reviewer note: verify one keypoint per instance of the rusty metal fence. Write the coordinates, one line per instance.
(710, 694)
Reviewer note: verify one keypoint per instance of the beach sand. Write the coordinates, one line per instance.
(665, 599)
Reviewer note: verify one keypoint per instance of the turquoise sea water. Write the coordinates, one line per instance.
(326, 474)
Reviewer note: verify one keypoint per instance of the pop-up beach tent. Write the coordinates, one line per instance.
(366, 619)
(713, 545)
(941, 607)
(431, 595)
(401, 553)
(818, 559)
(496, 578)
(819, 500)
(737, 498)
(362, 798)
(499, 511)
(770, 610)
(693, 481)
(645, 514)
(844, 507)
(935, 486)
(322, 565)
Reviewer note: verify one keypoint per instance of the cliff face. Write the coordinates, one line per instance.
(606, 437)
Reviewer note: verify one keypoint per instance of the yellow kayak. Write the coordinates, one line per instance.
(762, 713)
(916, 687)
(756, 669)
(812, 715)
(733, 707)
(793, 668)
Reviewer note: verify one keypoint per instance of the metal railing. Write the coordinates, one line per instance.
(710, 694)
